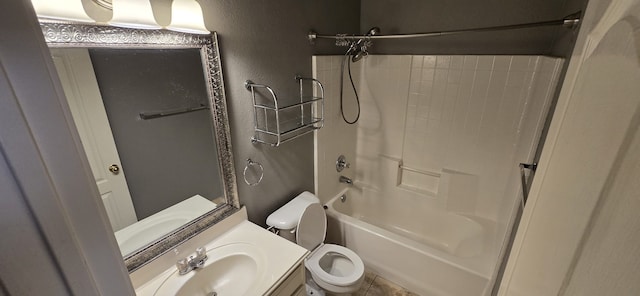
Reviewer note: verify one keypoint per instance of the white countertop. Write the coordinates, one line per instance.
(281, 257)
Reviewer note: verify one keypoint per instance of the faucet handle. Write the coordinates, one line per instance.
(201, 257)
(342, 163)
(201, 252)
(183, 266)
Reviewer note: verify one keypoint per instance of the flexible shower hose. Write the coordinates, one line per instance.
(348, 61)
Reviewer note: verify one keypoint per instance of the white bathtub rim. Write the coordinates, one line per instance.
(402, 241)
(405, 242)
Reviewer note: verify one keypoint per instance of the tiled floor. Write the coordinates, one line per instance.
(375, 285)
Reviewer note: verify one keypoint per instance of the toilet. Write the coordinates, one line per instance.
(333, 268)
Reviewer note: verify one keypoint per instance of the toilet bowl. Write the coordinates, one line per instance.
(336, 269)
(332, 267)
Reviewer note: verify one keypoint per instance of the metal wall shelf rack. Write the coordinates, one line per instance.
(275, 124)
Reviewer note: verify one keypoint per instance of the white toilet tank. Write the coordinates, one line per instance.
(286, 218)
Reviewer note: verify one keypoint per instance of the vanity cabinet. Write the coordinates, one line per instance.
(293, 285)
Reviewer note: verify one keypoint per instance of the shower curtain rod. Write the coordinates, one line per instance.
(570, 21)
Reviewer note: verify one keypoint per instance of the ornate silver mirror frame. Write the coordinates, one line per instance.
(96, 36)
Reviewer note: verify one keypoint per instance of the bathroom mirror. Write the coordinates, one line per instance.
(150, 109)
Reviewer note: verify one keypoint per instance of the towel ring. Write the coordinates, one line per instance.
(251, 163)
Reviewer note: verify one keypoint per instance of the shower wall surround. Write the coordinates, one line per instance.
(336, 137)
(459, 125)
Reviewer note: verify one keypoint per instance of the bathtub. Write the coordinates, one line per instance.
(411, 242)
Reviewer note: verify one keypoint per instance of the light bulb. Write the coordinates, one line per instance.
(136, 14)
(186, 16)
(65, 10)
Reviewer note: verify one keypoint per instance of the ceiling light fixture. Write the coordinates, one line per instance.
(186, 15)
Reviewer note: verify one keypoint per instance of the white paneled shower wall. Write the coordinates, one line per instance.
(464, 122)
(336, 137)
(445, 132)
(459, 124)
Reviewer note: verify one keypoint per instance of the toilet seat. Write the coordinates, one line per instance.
(310, 234)
(313, 264)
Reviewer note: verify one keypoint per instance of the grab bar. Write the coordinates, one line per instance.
(523, 178)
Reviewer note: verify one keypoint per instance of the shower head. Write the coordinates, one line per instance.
(359, 55)
(360, 48)
(373, 31)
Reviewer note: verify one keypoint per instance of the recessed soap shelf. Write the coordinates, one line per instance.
(274, 124)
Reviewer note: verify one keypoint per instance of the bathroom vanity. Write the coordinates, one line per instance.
(243, 259)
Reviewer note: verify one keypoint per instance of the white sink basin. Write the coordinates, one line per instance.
(244, 259)
(231, 270)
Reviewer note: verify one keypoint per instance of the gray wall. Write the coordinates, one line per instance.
(423, 16)
(169, 159)
(266, 41)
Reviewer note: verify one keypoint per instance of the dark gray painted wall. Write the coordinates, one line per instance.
(266, 41)
(169, 159)
(411, 16)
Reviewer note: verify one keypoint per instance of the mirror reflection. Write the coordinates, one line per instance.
(144, 121)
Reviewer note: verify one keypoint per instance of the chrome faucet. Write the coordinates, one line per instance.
(188, 264)
(345, 180)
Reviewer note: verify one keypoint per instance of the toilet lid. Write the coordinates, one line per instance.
(312, 227)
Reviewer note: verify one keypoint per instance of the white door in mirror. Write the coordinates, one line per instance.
(81, 89)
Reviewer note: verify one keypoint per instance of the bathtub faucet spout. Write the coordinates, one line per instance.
(345, 180)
